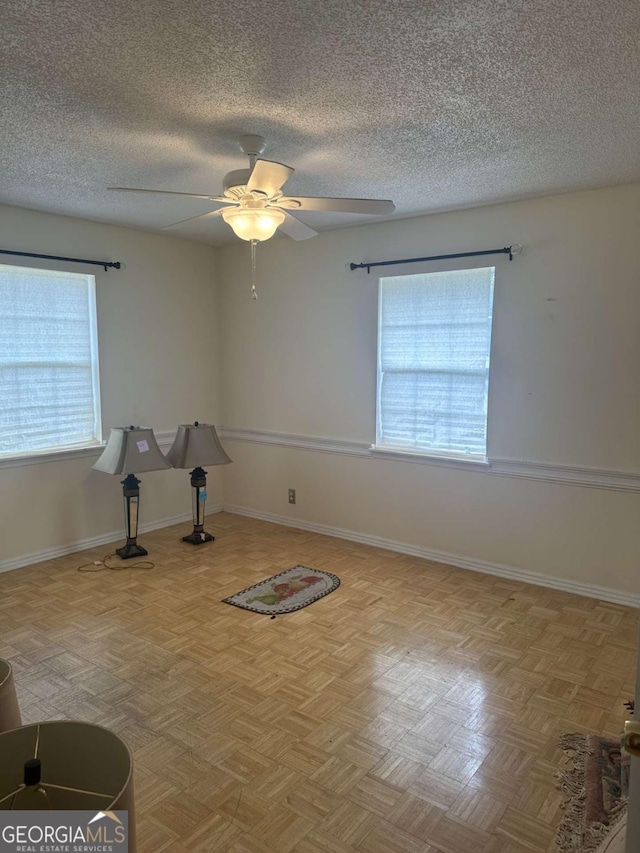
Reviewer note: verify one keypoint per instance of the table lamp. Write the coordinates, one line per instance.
(196, 445)
(131, 449)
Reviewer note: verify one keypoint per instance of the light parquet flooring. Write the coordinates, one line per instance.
(416, 709)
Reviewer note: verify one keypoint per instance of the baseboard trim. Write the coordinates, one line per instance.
(602, 593)
(592, 478)
(93, 542)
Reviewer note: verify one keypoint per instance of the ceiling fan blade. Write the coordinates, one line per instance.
(165, 192)
(343, 205)
(210, 215)
(292, 227)
(268, 177)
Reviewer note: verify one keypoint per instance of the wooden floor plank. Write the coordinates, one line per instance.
(417, 708)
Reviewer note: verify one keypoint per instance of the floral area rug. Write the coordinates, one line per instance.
(291, 590)
(596, 784)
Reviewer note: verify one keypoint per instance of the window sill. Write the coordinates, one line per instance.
(461, 461)
(18, 460)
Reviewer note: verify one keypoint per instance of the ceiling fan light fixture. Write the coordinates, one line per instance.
(259, 203)
(253, 224)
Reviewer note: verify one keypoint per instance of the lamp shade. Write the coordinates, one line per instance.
(131, 450)
(253, 223)
(9, 709)
(196, 445)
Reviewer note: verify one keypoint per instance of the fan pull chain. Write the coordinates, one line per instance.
(254, 294)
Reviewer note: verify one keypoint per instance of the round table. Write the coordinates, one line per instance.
(84, 766)
(9, 710)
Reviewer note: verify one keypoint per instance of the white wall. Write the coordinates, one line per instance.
(301, 361)
(564, 386)
(159, 366)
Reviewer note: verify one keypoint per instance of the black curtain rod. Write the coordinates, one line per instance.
(508, 250)
(106, 264)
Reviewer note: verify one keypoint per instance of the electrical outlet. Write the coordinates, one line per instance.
(292, 496)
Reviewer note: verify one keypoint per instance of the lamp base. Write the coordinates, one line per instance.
(198, 537)
(131, 550)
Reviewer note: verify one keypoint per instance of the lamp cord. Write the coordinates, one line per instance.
(101, 565)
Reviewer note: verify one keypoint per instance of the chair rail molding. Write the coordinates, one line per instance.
(164, 439)
(593, 478)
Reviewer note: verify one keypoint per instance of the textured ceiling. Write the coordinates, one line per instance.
(435, 105)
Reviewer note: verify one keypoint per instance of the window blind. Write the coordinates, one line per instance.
(49, 393)
(433, 361)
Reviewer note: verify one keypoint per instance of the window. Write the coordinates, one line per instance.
(434, 340)
(49, 389)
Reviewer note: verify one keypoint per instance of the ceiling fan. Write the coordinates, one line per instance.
(255, 206)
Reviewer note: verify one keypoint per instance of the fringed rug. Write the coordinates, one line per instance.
(596, 784)
(291, 590)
